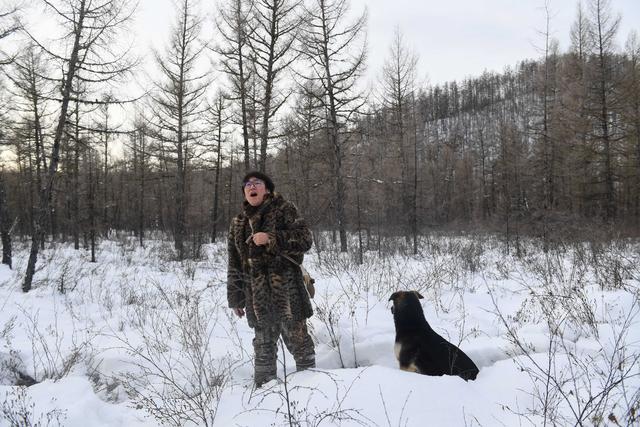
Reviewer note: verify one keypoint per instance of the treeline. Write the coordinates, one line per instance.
(548, 146)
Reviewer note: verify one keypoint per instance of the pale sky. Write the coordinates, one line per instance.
(454, 38)
(457, 38)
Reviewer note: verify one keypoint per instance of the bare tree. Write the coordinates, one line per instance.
(308, 119)
(9, 24)
(276, 26)
(140, 168)
(233, 26)
(87, 55)
(217, 119)
(542, 129)
(105, 128)
(178, 104)
(30, 90)
(76, 146)
(5, 215)
(398, 88)
(603, 29)
(91, 159)
(5, 224)
(575, 99)
(632, 110)
(335, 50)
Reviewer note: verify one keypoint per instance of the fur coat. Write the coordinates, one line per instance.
(259, 279)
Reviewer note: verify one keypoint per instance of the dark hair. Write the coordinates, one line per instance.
(261, 176)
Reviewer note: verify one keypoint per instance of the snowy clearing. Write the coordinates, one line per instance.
(138, 339)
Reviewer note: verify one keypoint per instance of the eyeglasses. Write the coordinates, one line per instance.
(254, 183)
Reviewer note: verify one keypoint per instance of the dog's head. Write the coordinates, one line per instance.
(403, 299)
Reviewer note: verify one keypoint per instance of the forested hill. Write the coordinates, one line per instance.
(547, 143)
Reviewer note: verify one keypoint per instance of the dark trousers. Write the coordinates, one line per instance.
(265, 345)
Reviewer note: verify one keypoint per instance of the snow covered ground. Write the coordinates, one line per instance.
(137, 338)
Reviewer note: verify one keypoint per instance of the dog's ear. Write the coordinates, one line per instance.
(394, 296)
(418, 294)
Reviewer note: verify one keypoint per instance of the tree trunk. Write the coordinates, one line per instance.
(243, 105)
(47, 190)
(92, 210)
(76, 182)
(216, 184)
(105, 177)
(414, 195)
(5, 225)
(141, 211)
(334, 136)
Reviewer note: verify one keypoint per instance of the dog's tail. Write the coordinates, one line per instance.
(463, 366)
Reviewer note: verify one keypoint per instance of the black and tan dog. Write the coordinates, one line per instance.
(419, 348)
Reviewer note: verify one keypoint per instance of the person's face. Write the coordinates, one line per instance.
(254, 191)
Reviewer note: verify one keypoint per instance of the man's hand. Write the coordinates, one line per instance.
(260, 238)
(239, 312)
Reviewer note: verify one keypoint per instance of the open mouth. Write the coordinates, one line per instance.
(253, 194)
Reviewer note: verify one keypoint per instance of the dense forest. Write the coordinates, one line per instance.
(548, 147)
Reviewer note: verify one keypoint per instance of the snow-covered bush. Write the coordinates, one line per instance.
(173, 373)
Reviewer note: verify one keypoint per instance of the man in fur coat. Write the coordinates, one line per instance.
(266, 244)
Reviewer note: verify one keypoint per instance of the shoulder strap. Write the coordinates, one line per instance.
(291, 259)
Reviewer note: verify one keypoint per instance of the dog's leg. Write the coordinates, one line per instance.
(410, 368)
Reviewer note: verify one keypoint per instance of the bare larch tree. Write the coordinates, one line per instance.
(604, 26)
(398, 89)
(178, 104)
(87, 54)
(217, 120)
(9, 24)
(335, 50)
(233, 25)
(276, 24)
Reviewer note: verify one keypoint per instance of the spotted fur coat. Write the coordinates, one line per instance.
(259, 279)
